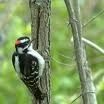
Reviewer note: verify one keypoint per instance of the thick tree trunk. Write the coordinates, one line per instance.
(40, 17)
(87, 86)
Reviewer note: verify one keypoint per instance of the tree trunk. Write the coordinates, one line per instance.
(40, 27)
(87, 86)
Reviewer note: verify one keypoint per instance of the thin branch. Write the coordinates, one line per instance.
(59, 62)
(93, 18)
(92, 44)
(65, 56)
(75, 99)
(80, 96)
(95, 46)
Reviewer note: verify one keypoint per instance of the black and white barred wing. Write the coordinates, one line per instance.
(31, 71)
(31, 75)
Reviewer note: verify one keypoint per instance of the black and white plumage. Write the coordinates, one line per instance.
(29, 65)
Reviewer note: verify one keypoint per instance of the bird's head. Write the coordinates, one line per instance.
(22, 44)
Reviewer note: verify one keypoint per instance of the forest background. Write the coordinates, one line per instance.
(65, 85)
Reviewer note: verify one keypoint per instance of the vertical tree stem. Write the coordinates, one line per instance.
(40, 27)
(87, 86)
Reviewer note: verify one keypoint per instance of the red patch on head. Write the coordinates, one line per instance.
(17, 42)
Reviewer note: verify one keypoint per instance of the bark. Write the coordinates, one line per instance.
(87, 86)
(40, 27)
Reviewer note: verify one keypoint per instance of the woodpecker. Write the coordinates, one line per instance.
(29, 65)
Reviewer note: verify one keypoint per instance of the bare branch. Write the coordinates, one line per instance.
(92, 44)
(59, 62)
(80, 96)
(92, 19)
(65, 56)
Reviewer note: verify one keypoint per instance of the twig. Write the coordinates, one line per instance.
(61, 62)
(67, 57)
(75, 99)
(81, 95)
(92, 44)
(93, 18)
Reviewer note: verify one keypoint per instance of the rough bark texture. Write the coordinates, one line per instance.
(87, 86)
(40, 16)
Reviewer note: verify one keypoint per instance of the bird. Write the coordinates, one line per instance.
(29, 65)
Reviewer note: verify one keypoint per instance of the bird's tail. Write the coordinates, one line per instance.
(39, 95)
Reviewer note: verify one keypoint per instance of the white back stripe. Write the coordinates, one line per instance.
(17, 64)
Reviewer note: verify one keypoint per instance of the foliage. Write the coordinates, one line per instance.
(64, 76)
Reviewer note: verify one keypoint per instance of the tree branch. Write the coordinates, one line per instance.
(91, 44)
(80, 53)
(93, 18)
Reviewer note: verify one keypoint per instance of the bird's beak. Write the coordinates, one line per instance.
(17, 42)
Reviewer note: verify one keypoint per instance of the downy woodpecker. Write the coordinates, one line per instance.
(29, 65)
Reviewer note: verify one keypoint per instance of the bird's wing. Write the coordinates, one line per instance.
(31, 70)
(13, 59)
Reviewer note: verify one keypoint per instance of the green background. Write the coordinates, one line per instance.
(15, 21)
